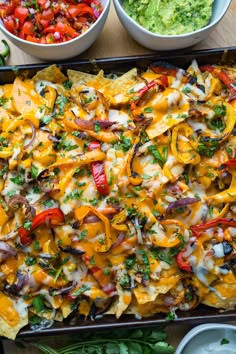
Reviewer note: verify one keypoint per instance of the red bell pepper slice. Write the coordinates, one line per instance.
(197, 230)
(230, 163)
(161, 81)
(54, 216)
(223, 77)
(183, 263)
(98, 171)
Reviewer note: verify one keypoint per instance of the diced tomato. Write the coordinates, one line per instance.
(65, 29)
(50, 38)
(32, 39)
(48, 14)
(21, 13)
(28, 28)
(10, 24)
(42, 3)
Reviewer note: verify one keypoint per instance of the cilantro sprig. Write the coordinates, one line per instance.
(141, 341)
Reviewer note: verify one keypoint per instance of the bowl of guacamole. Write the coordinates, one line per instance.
(170, 24)
(170, 17)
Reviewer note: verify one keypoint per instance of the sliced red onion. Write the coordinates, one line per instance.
(53, 138)
(13, 289)
(109, 289)
(57, 35)
(61, 291)
(91, 219)
(119, 239)
(33, 134)
(17, 199)
(169, 300)
(96, 12)
(89, 124)
(100, 306)
(181, 203)
(138, 231)
(7, 249)
(71, 250)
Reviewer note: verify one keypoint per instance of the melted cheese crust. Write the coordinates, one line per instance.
(163, 154)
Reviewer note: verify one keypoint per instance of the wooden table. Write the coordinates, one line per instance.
(114, 41)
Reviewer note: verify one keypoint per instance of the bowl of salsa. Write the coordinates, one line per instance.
(53, 30)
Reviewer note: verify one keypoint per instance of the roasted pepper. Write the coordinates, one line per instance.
(54, 216)
(197, 230)
(98, 171)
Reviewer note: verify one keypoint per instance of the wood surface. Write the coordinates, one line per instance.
(114, 41)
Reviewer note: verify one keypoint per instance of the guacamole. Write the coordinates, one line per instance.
(170, 17)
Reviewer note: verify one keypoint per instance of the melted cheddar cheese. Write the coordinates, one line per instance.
(118, 195)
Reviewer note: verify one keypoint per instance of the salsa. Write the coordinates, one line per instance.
(48, 22)
(170, 17)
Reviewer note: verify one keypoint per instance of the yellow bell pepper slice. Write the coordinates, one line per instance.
(82, 212)
(184, 151)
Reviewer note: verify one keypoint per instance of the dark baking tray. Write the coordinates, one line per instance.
(119, 65)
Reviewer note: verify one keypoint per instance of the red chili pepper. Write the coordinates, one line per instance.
(161, 81)
(182, 263)
(223, 77)
(98, 273)
(54, 216)
(197, 230)
(98, 171)
(230, 163)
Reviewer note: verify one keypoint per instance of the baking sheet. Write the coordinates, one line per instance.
(119, 65)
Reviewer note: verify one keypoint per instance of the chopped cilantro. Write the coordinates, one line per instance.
(27, 225)
(130, 262)
(19, 180)
(92, 261)
(224, 341)
(36, 245)
(67, 84)
(75, 194)
(81, 290)
(34, 171)
(97, 127)
(158, 157)
(219, 110)
(82, 235)
(187, 89)
(38, 303)
(46, 119)
(148, 109)
(30, 261)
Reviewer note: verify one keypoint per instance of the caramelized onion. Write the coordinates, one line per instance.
(89, 124)
(181, 203)
(33, 135)
(119, 240)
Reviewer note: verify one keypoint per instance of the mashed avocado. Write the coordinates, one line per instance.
(170, 17)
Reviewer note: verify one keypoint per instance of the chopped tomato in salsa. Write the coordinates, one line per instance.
(46, 21)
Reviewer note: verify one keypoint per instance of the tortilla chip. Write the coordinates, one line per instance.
(13, 316)
(97, 81)
(10, 332)
(52, 74)
(223, 296)
(118, 89)
(171, 108)
(149, 294)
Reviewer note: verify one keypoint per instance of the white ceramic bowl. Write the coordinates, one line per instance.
(65, 50)
(209, 338)
(169, 42)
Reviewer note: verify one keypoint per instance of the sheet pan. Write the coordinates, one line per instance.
(202, 313)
